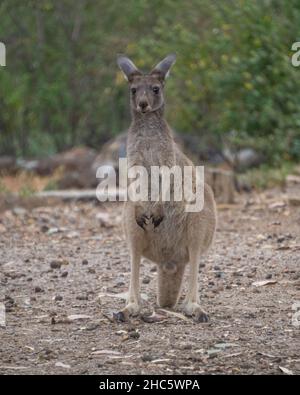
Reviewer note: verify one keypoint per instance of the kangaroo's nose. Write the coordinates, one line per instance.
(143, 104)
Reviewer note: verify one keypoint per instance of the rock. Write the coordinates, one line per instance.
(9, 303)
(242, 159)
(222, 183)
(58, 298)
(62, 365)
(104, 219)
(85, 262)
(58, 263)
(147, 358)
(82, 297)
(134, 334)
(219, 275)
(146, 280)
(64, 274)
(55, 264)
(38, 289)
(19, 211)
(92, 327)
(8, 164)
(246, 158)
(2, 228)
(293, 190)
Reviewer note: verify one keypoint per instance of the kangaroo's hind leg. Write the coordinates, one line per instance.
(133, 299)
(192, 305)
(170, 277)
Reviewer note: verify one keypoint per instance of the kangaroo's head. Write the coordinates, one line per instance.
(146, 90)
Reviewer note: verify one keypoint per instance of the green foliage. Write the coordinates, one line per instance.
(266, 177)
(233, 80)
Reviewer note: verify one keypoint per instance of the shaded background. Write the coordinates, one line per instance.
(233, 84)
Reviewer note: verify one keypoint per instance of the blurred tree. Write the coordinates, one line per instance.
(233, 81)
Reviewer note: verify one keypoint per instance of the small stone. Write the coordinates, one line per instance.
(91, 270)
(237, 274)
(268, 276)
(85, 262)
(64, 274)
(296, 276)
(134, 335)
(38, 289)
(19, 211)
(185, 346)
(219, 275)
(146, 280)
(58, 298)
(82, 297)
(147, 358)
(92, 327)
(9, 303)
(55, 264)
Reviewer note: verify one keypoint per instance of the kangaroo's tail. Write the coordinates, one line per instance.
(170, 278)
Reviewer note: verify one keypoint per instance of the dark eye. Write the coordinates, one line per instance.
(155, 89)
(133, 91)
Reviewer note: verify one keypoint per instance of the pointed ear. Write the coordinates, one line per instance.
(162, 69)
(128, 67)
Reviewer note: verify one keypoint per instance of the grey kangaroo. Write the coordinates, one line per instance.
(162, 232)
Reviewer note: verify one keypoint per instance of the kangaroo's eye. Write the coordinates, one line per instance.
(155, 89)
(133, 91)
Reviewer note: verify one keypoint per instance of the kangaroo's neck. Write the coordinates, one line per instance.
(150, 124)
(150, 141)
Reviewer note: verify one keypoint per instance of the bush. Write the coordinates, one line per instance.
(233, 81)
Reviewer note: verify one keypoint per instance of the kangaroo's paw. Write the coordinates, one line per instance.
(156, 220)
(144, 221)
(193, 309)
(131, 309)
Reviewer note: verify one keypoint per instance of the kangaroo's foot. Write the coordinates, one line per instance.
(131, 309)
(153, 220)
(193, 309)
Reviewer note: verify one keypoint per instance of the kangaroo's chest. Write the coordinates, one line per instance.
(149, 148)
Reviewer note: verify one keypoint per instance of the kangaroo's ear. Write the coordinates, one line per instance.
(128, 67)
(162, 69)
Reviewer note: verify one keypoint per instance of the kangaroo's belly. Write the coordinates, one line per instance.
(167, 242)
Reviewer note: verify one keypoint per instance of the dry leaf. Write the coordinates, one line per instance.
(62, 365)
(174, 314)
(263, 283)
(74, 317)
(160, 360)
(154, 317)
(286, 371)
(121, 295)
(106, 352)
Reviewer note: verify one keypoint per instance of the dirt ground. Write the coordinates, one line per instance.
(64, 271)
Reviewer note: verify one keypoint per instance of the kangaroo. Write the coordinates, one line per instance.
(162, 232)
